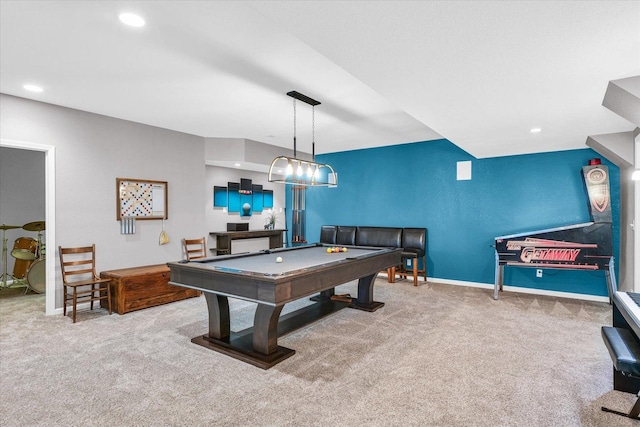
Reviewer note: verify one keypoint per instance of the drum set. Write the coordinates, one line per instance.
(29, 266)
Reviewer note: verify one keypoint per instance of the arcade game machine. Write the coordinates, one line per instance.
(587, 246)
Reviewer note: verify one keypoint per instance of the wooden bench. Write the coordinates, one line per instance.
(624, 350)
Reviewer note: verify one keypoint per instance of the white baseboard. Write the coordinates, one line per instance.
(532, 291)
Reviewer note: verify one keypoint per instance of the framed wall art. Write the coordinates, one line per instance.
(141, 199)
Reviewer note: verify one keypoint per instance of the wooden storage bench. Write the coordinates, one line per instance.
(142, 287)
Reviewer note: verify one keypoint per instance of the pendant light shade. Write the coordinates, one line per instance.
(295, 171)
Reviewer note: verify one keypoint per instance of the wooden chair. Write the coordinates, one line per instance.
(195, 248)
(79, 274)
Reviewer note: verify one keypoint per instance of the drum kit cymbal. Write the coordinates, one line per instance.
(29, 254)
(9, 227)
(34, 226)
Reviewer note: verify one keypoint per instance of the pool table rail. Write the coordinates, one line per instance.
(282, 288)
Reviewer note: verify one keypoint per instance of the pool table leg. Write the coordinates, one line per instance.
(265, 328)
(265, 323)
(219, 321)
(257, 345)
(365, 295)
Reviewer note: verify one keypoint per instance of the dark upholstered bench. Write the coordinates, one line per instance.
(411, 240)
(624, 350)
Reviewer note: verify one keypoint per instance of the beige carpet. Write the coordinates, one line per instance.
(436, 355)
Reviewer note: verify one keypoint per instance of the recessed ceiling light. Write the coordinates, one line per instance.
(535, 130)
(237, 165)
(33, 88)
(131, 19)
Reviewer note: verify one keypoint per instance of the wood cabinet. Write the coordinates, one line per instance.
(141, 287)
(224, 239)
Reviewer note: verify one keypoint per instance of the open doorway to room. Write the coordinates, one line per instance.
(27, 212)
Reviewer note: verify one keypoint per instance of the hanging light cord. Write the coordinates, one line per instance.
(313, 133)
(294, 127)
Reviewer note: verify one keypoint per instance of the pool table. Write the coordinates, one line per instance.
(260, 278)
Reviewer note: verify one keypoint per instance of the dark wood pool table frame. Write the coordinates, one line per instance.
(259, 345)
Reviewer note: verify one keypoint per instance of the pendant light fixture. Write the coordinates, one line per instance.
(299, 171)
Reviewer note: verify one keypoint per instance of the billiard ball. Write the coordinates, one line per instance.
(279, 259)
(344, 249)
(329, 250)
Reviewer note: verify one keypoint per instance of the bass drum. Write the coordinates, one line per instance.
(37, 277)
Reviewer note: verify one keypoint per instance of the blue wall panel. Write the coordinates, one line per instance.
(234, 196)
(245, 201)
(268, 198)
(414, 185)
(257, 199)
(219, 196)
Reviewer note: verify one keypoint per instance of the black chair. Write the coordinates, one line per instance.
(414, 245)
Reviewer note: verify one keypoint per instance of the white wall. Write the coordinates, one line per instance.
(91, 152)
(636, 220)
(217, 218)
(21, 194)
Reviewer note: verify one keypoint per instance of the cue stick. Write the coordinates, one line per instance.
(286, 229)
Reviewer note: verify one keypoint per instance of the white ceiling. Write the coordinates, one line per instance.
(481, 74)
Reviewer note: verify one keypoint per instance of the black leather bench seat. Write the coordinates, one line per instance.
(623, 348)
(412, 241)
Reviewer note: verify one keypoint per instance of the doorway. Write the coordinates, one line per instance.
(49, 162)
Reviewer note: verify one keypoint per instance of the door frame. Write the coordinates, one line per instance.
(50, 214)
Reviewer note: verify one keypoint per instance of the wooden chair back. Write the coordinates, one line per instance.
(78, 264)
(195, 248)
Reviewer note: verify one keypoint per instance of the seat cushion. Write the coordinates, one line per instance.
(624, 349)
(412, 253)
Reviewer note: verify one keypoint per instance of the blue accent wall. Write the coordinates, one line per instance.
(414, 185)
